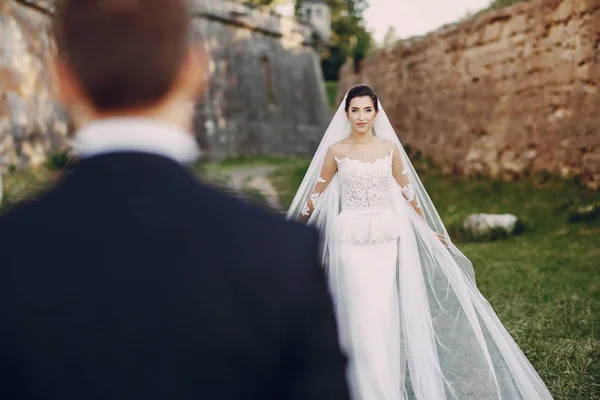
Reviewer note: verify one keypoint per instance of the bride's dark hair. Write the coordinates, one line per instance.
(361, 91)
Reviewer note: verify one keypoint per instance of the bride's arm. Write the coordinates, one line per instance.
(408, 191)
(328, 170)
(401, 177)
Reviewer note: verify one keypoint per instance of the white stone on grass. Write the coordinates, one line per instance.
(483, 224)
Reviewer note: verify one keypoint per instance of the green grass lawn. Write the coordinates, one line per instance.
(544, 284)
(31, 181)
(24, 184)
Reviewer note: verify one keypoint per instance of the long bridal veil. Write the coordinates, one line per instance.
(453, 344)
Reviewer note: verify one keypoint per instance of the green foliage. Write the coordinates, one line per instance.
(298, 8)
(332, 91)
(288, 178)
(349, 38)
(21, 185)
(363, 44)
(259, 2)
(58, 161)
(29, 182)
(504, 3)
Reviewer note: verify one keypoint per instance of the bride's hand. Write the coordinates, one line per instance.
(442, 238)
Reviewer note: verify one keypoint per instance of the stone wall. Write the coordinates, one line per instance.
(508, 92)
(31, 123)
(266, 94)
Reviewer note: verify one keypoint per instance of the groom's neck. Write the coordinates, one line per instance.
(178, 113)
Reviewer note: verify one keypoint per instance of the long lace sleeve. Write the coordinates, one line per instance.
(399, 172)
(328, 170)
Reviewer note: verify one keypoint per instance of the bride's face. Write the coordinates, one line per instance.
(361, 114)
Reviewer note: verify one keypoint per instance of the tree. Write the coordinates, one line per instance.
(349, 39)
(298, 8)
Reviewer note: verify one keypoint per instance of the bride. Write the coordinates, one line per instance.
(410, 316)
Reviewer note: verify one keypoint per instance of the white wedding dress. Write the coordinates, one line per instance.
(367, 229)
(411, 318)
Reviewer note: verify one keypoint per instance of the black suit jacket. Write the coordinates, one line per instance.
(130, 280)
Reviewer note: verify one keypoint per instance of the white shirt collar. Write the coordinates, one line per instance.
(135, 134)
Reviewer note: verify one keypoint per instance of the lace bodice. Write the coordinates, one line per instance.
(365, 185)
(366, 215)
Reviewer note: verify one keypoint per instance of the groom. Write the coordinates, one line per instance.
(128, 279)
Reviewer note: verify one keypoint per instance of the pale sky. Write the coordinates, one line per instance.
(416, 17)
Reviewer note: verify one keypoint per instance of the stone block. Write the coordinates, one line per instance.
(591, 162)
(564, 10)
(517, 24)
(492, 32)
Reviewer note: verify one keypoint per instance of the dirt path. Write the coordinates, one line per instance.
(255, 178)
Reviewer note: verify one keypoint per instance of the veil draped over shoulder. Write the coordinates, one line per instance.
(453, 344)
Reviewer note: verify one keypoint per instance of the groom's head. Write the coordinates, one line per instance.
(116, 56)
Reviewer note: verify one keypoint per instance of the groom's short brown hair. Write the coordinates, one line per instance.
(124, 53)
